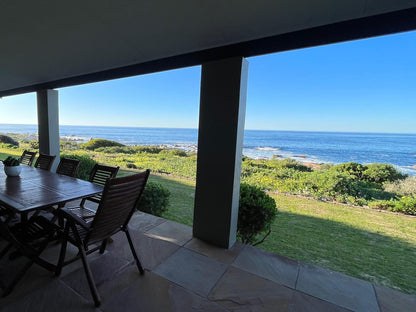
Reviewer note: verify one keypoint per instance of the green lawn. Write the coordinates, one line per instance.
(376, 246)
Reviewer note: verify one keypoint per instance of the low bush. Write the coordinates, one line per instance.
(355, 170)
(34, 144)
(115, 150)
(96, 143)
(8, 140)
(380, 173)
(86, 166)
(382, 204)
(256, 213)
(406, 187)
(154, 200)
(147, 149)
(174, 152)
(406, 205)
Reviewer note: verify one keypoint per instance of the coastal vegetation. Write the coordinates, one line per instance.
(325, 214)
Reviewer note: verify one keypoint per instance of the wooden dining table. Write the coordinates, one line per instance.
(35, 189)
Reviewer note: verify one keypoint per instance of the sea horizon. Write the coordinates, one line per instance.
(161, 127)
(316, 147)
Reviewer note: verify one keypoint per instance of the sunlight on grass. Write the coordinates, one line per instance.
(375, 246)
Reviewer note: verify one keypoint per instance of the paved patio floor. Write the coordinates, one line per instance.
(186, 274)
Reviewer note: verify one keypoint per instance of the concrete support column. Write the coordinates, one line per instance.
(48, 123)
(220, 144)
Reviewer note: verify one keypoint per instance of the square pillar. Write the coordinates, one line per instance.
(220, 145)
(48, 123)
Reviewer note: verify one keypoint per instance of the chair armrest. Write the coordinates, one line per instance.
(67, 214)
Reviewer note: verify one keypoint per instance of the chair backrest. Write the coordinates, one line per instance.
(68, 167)
(119, 200)
(45, 161)
(99, 175)
(27, 158)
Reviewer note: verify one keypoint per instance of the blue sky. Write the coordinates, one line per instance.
(366, 85)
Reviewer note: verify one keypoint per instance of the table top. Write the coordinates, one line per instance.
(37, 188)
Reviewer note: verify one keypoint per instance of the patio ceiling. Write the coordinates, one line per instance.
(50, 44)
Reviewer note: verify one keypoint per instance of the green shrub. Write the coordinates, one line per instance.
(373, 191)
(406, 204)
(8, 140)
(148, 149)
(131, 166)
(96, 143)
(174, 152)
(382, 204)
(355, 170)
(115, 150)
(34, 144)
(256, 213)
(154, 200)
(86, 166)
(380, 173)
(293, 164)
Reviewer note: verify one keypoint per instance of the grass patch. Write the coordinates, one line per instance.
(181, 201)
(371, 245)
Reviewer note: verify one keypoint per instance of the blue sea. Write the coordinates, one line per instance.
(313, 147)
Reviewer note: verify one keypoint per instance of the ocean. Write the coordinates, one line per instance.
(304, 146)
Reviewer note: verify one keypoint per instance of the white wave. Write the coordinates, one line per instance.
(406, 170)
(266, 148)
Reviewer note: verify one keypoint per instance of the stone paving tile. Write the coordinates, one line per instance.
(221, 254)
(392, 301)
(192, 271)
(104, 269)
(36, 277)
(276, 268)
(154, 293)
(172, 232)
(239, 290)
(337, 288)
(144, 222)
(151, 251)
(302, 302)
(54, 296)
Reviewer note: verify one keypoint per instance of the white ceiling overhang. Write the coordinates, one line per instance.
(59, 43)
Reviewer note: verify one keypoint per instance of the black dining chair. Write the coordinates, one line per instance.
(99, 175)
(117, 205)
(68, 167)
(44, 161)
(27, 158)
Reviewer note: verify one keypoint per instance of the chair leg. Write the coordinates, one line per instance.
(91, 283)
(63, 251)
(133, 251)
(93, 288)
(103, 245)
